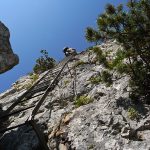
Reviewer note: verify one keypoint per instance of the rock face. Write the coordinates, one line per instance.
(102, 124)
(7, 58)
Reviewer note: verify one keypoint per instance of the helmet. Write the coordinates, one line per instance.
(65, 48)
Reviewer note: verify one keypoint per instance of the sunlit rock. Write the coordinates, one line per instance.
(7, 58)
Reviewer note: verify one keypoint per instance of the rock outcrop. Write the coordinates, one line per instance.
(7, 58)
(103, 123)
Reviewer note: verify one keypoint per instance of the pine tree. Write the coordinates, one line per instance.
(92, 35)
(131, 28)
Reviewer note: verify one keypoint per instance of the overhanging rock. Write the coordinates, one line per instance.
(7, 58)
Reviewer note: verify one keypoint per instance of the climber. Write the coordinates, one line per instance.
(69, 51)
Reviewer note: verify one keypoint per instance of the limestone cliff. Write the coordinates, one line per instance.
(102, 117)
(7, 58)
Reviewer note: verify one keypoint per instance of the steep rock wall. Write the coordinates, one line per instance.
(103, 124)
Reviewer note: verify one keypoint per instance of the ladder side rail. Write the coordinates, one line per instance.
(33, 96)
(39, 134)
(24, 94)
(51, 87)
(31, 88)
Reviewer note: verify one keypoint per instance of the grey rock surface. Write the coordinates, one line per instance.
(103, 124)
(7, 58)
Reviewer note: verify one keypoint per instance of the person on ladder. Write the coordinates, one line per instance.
(69, 51)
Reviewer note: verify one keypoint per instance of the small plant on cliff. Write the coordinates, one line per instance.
(132, 113)
(106, 77)
(44, 63)
(83, 100)
(95, 80)
(79, 63)
(100, 57)
(33, 79)
(66, 82)
(26, 85)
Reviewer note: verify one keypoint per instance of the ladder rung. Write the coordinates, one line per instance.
(42, 88)
(10, 128)
(32, 97)
(15, 112)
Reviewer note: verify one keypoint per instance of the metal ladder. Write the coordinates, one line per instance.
(48, 86)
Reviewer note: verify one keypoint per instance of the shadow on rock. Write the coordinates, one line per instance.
(127, 103)
(21, 138)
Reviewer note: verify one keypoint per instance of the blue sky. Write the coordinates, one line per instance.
(46, 24)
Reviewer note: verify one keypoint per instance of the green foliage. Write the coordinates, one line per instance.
(118, 63)
(109, 65)
(79, 63)
(110, 9)
(89, 48)
(131, 28)
(122, 68)
(132, 113)
(82, 100)
(34, 77)
(18, 87)
(43, 63)
(106, 77)
(100, 57)
(66, 82)
(91, 147)
(28, 85)
(140, 86)
(95, 80)
(30, 73)
(92, 35)
(119, 58)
